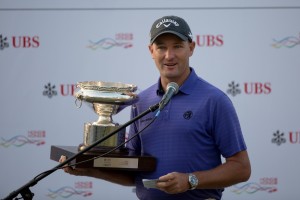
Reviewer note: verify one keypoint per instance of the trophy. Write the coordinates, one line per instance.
(106, 99)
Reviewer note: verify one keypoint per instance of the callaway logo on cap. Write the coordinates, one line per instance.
(171, 24)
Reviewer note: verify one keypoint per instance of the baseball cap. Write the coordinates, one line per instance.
(171, 24)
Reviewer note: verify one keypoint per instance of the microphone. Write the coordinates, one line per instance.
(172, 89)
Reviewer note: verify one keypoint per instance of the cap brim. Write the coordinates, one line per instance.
(183, 37)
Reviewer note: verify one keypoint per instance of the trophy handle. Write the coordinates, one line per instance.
(80, 103)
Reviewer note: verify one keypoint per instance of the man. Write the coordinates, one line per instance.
(191, 133)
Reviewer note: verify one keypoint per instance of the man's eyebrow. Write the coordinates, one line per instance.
(158, 42)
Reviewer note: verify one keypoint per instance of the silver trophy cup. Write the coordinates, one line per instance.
(106, 99)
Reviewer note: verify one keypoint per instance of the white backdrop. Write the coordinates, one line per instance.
(250, 50)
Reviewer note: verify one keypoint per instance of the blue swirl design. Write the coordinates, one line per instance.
(108, 43)
(19, 141)
(66, 192)
(251, 188)
(288, 42)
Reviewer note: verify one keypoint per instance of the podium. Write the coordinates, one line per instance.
(115, 161)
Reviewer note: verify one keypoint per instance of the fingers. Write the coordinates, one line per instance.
(66, 168)
(62, 158)
(167, 177)
(168, 186)
(173, 183)
(75, 171)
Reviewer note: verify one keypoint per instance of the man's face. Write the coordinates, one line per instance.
(171, 56)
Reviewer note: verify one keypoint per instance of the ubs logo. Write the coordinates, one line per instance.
(293, 137)
(50, 90)
(255, 88)
(209, 40)
(3, 42)
(19, 42)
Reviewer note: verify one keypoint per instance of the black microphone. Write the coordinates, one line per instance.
(172, 89)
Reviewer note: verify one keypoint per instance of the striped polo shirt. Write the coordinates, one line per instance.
(191, 133)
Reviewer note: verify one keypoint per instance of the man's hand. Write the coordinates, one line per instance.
(114, 176)
(173, 183)
(77, 171)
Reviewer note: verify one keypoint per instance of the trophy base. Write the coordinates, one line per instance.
(122, 161)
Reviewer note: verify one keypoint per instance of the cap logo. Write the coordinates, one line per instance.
(166, 23)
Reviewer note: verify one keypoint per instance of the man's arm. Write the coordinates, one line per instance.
(236, 169)
(113, 176)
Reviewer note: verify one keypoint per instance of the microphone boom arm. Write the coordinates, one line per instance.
(25, 191)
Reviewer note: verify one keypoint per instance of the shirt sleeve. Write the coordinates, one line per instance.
(227, 129)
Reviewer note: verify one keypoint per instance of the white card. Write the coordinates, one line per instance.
(150, 183)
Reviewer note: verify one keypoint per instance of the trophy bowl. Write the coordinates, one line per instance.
(106, 99)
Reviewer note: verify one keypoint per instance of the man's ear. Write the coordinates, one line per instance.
(150, 47)
(192, 47)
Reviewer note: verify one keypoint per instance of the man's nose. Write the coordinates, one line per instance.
(169, 53)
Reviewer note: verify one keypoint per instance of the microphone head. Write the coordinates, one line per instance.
(172, 89)
(174, 86)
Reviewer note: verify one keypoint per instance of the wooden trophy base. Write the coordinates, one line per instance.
(116, 161)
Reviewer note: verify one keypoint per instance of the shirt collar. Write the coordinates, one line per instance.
(185, 88)
(160, 90)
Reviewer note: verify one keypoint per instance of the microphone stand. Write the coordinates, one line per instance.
(25, 191)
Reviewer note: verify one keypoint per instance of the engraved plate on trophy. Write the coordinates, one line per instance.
(106, 99)
(128, 163)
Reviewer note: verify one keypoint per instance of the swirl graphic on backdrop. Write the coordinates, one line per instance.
(67, 192)
(251, 188)
(19, 141)
(288, 42)
(108, 43)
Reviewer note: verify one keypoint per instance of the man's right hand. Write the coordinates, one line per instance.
(77, 171)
